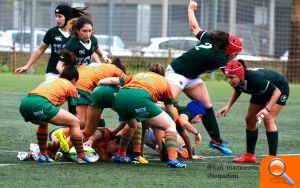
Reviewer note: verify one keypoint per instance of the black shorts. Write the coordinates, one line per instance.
(263, 99)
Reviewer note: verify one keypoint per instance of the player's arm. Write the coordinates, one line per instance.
(185, 136)
(190, 128)
(110, 81)
(100, 52)
(265, 111)
(95, 58)
(115, 80)
(273, 100)
(194, 26)
(35, 56)
(223, 111)
(119, 128)
(96, 136)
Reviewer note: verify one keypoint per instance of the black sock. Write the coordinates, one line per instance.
(251, 137)
(210, 123)
(136, 154)
(101, 123)
(272, 142)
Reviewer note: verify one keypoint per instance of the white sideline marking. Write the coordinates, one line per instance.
(8, 164)
(13, 92)
(10, 151)
(156, 159)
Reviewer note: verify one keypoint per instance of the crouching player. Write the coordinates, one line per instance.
(41, 107)
(269, 92)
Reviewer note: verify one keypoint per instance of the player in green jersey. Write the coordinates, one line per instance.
(214, 50)
(83, 44)
(55, 37)
(269, 92)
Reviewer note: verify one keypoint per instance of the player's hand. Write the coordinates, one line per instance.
(223, 112)
(21, 70)
(198, 139)
(106, 59)
(261, 114)
(88, 143)
(193, 6)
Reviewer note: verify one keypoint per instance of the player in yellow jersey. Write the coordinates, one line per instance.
(41, 107)
(89, 77)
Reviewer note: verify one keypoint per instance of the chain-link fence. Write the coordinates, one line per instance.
(268, 28)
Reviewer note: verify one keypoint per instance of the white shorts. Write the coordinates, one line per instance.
(50, 77)
(179, 80)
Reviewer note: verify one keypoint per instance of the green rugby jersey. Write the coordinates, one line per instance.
(200, 59)
(259, 81)
(83, 55)
(57, 41)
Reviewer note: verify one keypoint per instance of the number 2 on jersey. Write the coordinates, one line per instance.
(206, 45)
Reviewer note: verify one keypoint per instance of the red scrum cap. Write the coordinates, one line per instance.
(235, 68)
(234, 45)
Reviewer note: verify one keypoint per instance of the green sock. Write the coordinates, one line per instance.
(101, 123)
(251, 137)
(210, 123)
(272, 142)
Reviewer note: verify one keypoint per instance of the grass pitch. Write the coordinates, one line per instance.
(215, 170)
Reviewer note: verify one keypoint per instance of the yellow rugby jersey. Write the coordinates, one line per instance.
(90, 75)
(57, 92)
(155, 84)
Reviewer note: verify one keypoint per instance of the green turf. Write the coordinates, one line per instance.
(16, 135)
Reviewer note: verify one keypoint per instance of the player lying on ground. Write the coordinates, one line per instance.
(141, 92)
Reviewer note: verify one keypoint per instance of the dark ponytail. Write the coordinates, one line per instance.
(70, 71)
(80, 11)
(68, 58)
(157, 68)
(243, 62)
(119, 64)
(220, 39)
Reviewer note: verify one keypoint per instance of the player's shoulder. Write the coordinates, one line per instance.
(53, 30)
(94, 40)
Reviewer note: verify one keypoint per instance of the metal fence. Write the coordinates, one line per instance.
(265, 26)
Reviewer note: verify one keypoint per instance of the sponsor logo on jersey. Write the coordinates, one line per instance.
(81, 52)
(283, 98)
(58, 38)
(141, 112)
(38, 113)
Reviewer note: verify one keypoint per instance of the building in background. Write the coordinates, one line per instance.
(263, 25)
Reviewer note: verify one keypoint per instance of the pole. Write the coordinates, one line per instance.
(272, 27)
(165, 4)
(111, 13)
(32, 25)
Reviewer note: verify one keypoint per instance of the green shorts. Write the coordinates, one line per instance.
(84, 98)
(104, 96)
(37, 108)
(135, 103)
